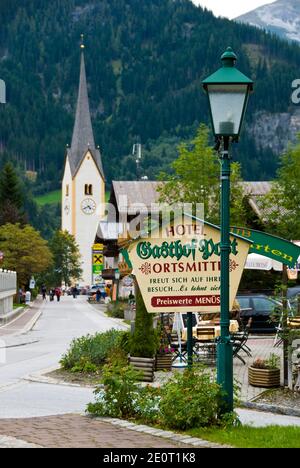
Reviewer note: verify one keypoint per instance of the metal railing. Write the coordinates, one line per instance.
(8, 281)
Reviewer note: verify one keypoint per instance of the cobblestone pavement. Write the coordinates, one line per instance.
(260, 348)
(75, 431)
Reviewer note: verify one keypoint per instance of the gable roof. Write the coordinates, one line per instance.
(146, 192)
(83, 137)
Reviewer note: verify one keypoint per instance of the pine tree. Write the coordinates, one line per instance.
(144, 341)
(11, 197)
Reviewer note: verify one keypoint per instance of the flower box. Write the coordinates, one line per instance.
(264, 378)
(163, 362)
(145, 366)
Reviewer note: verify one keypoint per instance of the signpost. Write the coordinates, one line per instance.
(98, 262)
(181, 273)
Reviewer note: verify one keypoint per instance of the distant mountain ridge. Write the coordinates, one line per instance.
(281, 17)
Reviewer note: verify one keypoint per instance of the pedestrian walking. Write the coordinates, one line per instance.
(98, 295)
(51, 294)
(44, 292)
(57, 294)
(74, 292)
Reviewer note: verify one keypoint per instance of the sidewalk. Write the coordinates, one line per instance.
(25, 321)
(75, 431)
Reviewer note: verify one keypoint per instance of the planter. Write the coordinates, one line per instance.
(265, 378)
(163, 362)
(145, 366)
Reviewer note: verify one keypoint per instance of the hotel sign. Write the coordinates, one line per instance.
(178, 269)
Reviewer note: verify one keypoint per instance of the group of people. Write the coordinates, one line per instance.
(53, 292)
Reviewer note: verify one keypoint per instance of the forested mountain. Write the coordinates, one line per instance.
(145, 60)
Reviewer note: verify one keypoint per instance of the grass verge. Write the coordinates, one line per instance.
(251, 437)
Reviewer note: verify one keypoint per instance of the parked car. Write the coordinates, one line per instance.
(93, 290)
(265, 312)
(293, 293)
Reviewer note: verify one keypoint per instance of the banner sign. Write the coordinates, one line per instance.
(182, 273)
(270, 246)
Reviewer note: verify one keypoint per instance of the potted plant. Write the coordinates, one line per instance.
(265, 373)
(143, 343)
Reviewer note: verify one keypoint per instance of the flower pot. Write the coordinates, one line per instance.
(145, 366)
(163, 362)
(264, 378)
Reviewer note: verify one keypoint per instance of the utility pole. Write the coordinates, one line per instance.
(2, 92)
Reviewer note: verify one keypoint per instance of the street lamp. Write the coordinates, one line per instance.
(117, 278)
(228, 92)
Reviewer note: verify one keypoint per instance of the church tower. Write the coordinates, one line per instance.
(83, 186)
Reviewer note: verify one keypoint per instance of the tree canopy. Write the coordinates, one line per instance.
(24, 251)
(195, 178)
(280, 208)
(66, 260)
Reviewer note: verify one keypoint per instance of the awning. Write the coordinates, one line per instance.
(259, 262)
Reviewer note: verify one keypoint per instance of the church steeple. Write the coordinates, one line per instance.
(83, 137)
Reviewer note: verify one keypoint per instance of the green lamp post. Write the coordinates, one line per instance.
(228, 92)
(117, 278)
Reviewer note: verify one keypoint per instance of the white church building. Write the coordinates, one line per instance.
(83, 186)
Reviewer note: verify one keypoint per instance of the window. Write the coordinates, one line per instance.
(67, 190)
(88, 189)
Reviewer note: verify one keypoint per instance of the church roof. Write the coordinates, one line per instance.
(83, 137)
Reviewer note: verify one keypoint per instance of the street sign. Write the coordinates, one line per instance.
(97, 259)
(2, 92)
(97, 269)
(32, 283)
(181, 273)
(98, 247)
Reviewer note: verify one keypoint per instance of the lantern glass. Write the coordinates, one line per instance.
(227, 104)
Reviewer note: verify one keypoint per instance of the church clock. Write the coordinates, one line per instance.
(88, 206)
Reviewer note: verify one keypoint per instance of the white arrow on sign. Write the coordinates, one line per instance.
(2, 92)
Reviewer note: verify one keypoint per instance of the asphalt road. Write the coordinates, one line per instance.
(42, 348)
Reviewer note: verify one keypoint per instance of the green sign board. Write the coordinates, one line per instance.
(270, 246)
(97, 269)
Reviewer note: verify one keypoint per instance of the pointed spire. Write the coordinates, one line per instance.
(83, 132)
(83, 137)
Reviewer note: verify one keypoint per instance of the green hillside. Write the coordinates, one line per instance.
(145, 60)
(49, 198)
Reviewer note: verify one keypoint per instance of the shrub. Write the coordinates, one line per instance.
(122, 395)
(116, 310)
(85, 366)
(144, 342)
(273, 362)
(92, 349)
(190, 399)
(118, 398)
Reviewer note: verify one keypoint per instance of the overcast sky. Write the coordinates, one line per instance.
(231, 8)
